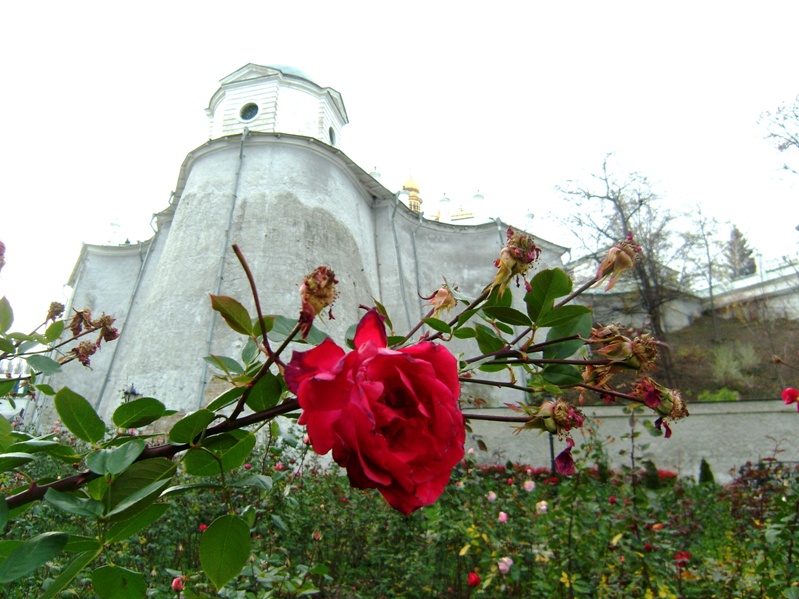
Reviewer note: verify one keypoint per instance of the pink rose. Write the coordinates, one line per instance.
(391, 417)
(529, 486)
(491, 496)
(504, 564)
(503, 517)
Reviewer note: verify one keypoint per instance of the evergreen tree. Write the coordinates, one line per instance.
(739, 255)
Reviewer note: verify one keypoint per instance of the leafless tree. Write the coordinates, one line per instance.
(606, 209)
(782, 125)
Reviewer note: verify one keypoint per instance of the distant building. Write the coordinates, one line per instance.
(273, 180)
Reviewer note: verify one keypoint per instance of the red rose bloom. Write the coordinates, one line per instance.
(391, 417)
(473, 579)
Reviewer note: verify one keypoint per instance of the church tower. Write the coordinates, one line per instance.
(276, 99)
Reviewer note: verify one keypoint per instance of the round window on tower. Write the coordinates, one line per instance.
(248, 112)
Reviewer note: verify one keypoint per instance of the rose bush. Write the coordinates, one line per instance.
(390, 417)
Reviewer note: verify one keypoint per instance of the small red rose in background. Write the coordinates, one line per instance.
(473, 579)
(203, 527)
(791, 395)
(391, 417)
(681, 558)
(177, 584)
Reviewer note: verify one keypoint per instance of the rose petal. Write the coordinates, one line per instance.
(371, 328)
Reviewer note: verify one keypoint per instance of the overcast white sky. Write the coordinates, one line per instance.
(102, 101)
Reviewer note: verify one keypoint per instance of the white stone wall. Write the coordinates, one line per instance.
(725, 434)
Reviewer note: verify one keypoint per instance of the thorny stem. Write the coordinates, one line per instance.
(254, 290)
(604, 391)
(262, 372)
(416, 328)
(464, 379)
(168, 451)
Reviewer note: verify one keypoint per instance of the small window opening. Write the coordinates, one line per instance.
(248, 112)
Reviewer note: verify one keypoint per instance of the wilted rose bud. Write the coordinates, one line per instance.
(83, 351)
(442, 300)
(318, 291)
(515, 258)
(55, 310)
(620, 258)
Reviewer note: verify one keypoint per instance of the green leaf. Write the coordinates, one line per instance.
(269, 322)
(259, 481)
(437, 325)
(115, 461)
(508, 315)
(11, 460)
(265, 394)
(235, 315)
(29, 555)
(7, 387)
(465, 317)
(33, 445)
(227, 365)
(250, 351)
(563, 375)
(138, 476)
(79, 544)
(189, 427)
(562, 316)
(139, 412)
(43, 364)
(381, 309)
(283, 327)
(113, 582)
(72, 504)
(127, 528)
(46, 389)
(225, 549)
(487, 339)
(68, 574)
(6, 315)
(278, 521)
(546, 286)
(78, 416)
(7, 346)
(565, 349)
(3, 512)
(232, 449)
(495, 298)
(54, 331)
(138, 501)
(226, 398)
(464, 333)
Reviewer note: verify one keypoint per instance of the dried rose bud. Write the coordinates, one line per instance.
(54, 311)
(82, 318)
(83, 351)
(559, 416)
(515, 258)
(318, 291)
(668, 403)
(620, 258)
(442, 300)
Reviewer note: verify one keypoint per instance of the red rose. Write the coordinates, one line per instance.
(473, 579)
(391, 417)
(177, 584)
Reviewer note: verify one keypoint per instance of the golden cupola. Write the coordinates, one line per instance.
(414, 199)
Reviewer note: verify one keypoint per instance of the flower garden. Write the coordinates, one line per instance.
(232, 500)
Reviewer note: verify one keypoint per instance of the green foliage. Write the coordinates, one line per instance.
(722, 394)
(706, 473)
(733, 365)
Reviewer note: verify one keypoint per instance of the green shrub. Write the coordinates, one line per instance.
(722, 394)
(733, 365)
